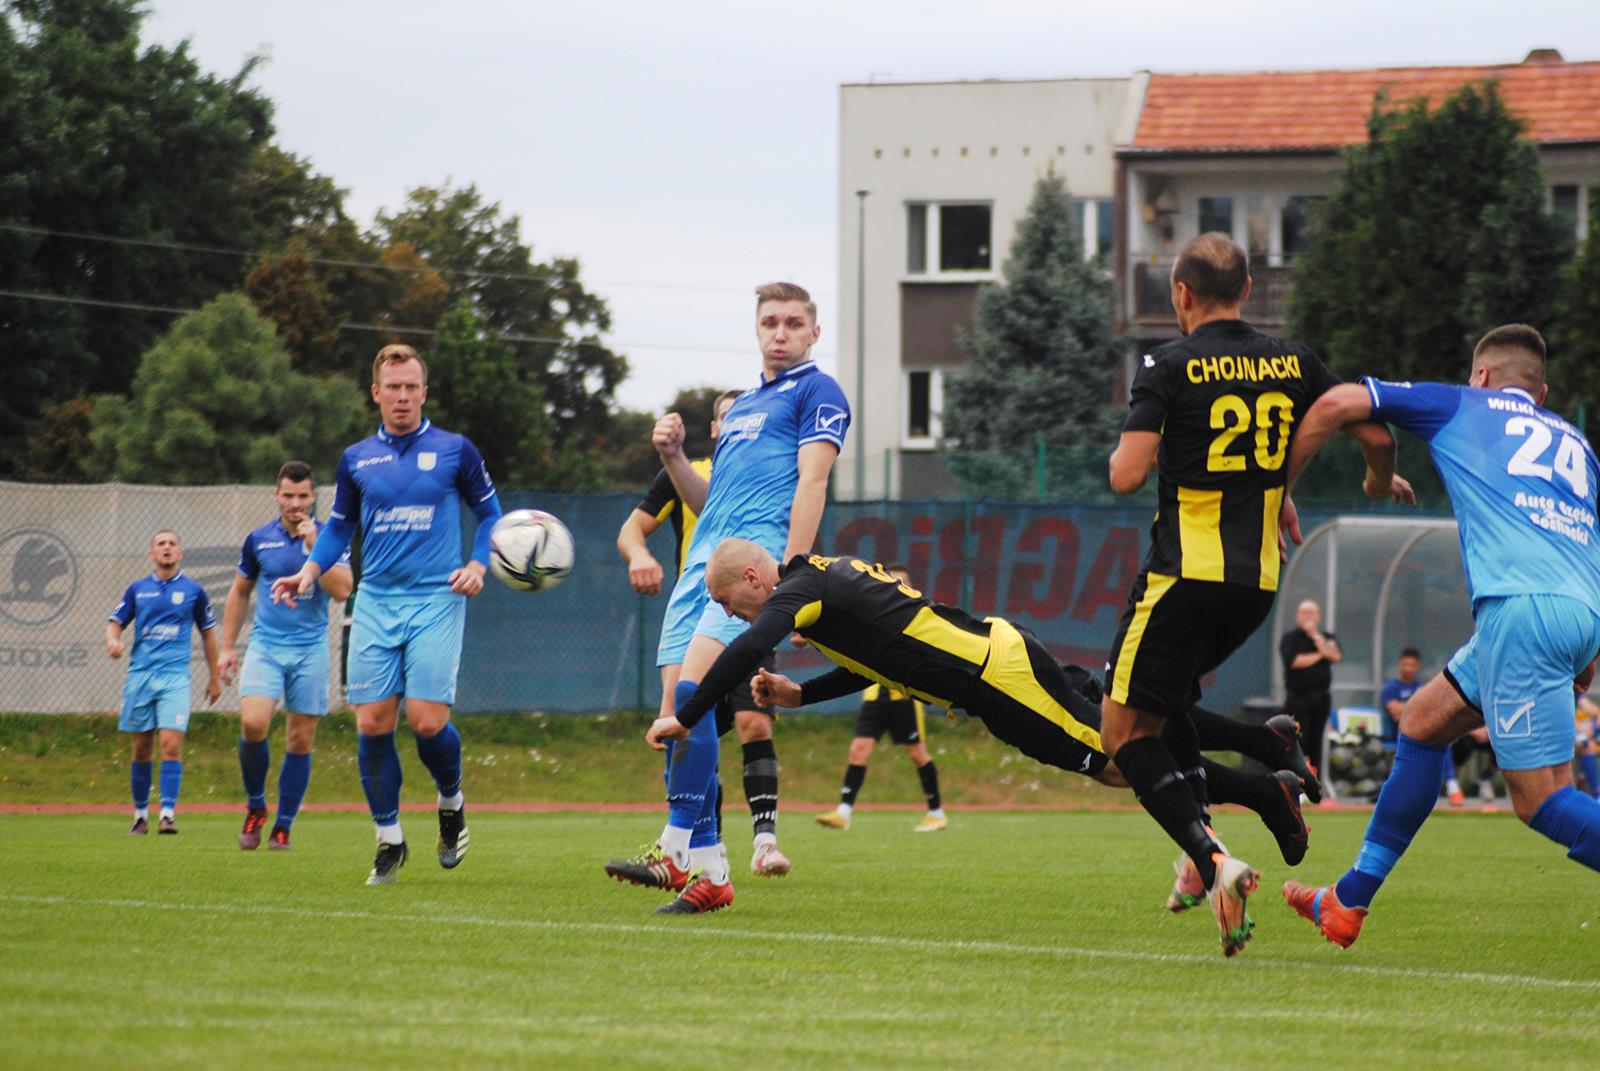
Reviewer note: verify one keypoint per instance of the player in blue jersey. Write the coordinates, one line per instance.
(769, 483)
(1523, 483)
(287, 657)
(402, 489)
(162, 608)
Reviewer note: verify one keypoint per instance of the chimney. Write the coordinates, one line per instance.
(1543, 57)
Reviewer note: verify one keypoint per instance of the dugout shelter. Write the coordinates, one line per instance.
(1384, 584)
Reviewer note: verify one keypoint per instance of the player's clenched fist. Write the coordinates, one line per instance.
(667, 437)
(774, 689)
(663, 729)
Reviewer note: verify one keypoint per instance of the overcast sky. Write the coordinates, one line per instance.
(684, 153)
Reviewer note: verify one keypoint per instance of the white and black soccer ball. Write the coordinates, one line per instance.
(530, 550)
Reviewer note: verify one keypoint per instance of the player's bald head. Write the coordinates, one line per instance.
(1214, 268)
(731, 558)
(1513, 355)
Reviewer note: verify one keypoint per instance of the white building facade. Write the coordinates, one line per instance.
(947, 168)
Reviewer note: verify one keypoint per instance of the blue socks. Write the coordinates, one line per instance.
(171, 781)
(692, 776)
(1404, 804)
(380, 776)
(1572, 820)
(141, 776)
(292, 782)
(441, 754)
(254, 757)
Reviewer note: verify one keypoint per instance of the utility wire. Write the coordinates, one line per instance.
(397, 329)
(468, 273)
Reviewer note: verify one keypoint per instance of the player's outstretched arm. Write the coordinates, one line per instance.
(233, 611)
(814, 461)
(113, 640)
(736, 663)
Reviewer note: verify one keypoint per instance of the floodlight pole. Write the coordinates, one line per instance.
(859, 410)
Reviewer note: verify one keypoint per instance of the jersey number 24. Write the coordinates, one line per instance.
(1527, 461)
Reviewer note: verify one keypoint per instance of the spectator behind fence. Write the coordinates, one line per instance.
(1393, 700)
(1308, 655)
(1587, 753)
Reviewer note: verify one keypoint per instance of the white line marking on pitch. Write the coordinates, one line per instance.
(925, 944)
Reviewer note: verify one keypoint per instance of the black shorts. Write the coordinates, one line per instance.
(1173, 632)
(742, 698)
(1029, 700)
(901, 718)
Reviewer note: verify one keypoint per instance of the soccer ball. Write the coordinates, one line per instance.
(530, 550)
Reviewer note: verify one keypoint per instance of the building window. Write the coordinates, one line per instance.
(1216, 214)
(924, 397)
(949, 238)
(1296, 233)
(1095, 220)
(1565, 205)
(916, 239)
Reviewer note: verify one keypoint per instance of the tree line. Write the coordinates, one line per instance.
(135, 185)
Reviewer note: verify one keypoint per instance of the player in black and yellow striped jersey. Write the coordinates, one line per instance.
(903, 717)
(878, 629)
(1212, 413)
(662, 503)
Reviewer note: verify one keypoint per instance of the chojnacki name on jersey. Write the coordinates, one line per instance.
(1225, 400)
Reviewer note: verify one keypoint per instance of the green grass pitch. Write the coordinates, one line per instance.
(1011, 940)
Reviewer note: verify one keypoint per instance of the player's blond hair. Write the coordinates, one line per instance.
(398, 353)
(159, 532)
(785, 292)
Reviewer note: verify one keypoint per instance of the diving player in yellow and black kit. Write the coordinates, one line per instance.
(877, 628)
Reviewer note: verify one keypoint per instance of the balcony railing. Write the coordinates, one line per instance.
(1152, 293)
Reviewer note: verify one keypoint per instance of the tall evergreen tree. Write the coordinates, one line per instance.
(1437, 231)
(216, 400)
(1043, 351)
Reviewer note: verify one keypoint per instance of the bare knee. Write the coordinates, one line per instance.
(144, 746)
(861, 750)
(375, 719)
(255, 718)
(919, 753)
(300, 733)
(426, 719)
(752, 725)
(171, 745)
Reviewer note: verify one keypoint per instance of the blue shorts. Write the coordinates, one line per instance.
(297, 675)
(691, 613)
(155, 699)
(1518, 670)
(406, 646)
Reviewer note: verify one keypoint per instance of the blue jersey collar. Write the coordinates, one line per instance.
(1519, 392)
(403, 441)
(157, 576)
(788, 373)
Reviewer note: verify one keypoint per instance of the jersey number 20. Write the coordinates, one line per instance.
(1231, 414)
(1569, 461)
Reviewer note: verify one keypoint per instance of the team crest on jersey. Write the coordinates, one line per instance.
(177, 598)
(426, 460)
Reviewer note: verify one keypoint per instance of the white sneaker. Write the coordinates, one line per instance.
(769, 862)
